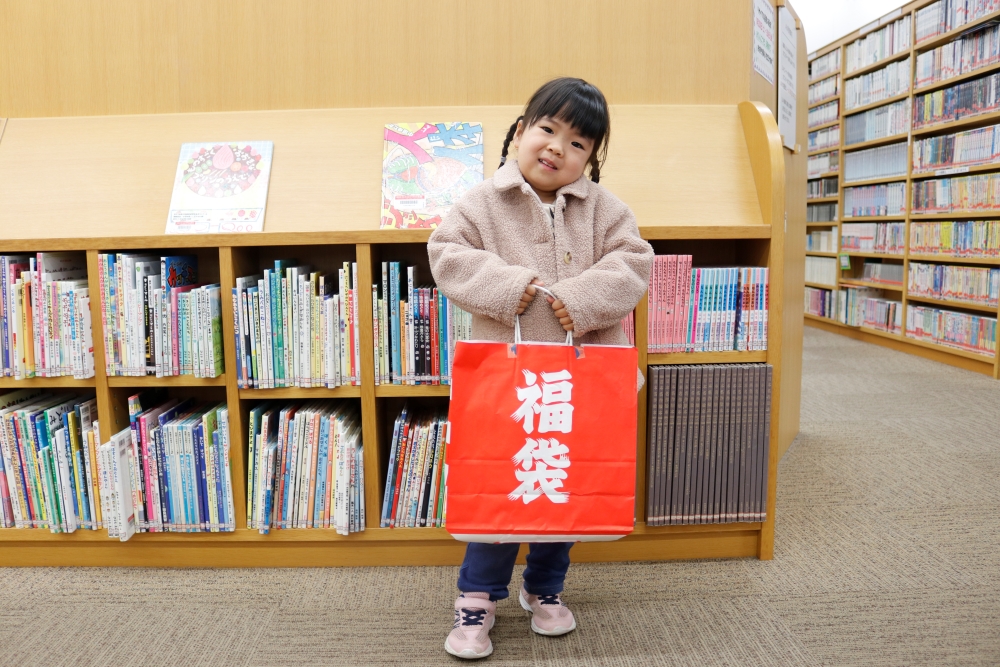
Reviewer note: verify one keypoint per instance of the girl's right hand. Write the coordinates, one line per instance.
(529, 295)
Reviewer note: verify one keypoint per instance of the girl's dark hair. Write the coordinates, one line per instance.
(576, 102)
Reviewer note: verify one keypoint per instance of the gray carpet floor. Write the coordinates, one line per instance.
(887, 553)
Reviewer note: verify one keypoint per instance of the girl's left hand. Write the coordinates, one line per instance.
(560, 310)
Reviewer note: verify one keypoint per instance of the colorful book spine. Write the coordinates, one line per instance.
(415, 479)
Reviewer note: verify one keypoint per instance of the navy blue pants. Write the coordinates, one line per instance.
(487, 568)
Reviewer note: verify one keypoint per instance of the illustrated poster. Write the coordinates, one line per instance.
(220, 188)
(426, 167)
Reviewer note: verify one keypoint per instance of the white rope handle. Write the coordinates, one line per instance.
(517, 320)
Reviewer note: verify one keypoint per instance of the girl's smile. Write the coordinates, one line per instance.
(551, 154)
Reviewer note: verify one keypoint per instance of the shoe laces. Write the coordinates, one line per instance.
(473, 616)
(552, 598)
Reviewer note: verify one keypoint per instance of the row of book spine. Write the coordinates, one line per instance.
(979, 192)
(878, 45)
(874, 271)
(706, 309)
(821, 187)
(971, 284)
(961, 149)
(157, 319)
(822, 212)
(822, 163)
(824, 90)
(45, 316)
(48, 461)
(824, 65)
(865, 307)
(874, 237)
(963, 100)
(883, 121)
(823, 114)
(416, 475)
(878, 162)
(821, 302)
(708, 443)
(171, 468)
(306, 467)
(891, 80)
(416, 328)
(874, 200)
(294, 330)
(964, 55)
(945, 15)
(963, 238)
(828, 137)
(821, 270)
(821, 241)
(964, 331)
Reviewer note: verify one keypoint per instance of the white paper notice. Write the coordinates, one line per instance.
(763, 39)
(220, 188)
(787, 43)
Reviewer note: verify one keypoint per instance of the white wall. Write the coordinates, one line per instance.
(827, 20)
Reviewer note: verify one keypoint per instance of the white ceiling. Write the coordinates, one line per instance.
(827, 20)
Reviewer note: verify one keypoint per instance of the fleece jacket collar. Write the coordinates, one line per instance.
(509, 176)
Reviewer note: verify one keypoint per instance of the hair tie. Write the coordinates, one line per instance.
(503, 160)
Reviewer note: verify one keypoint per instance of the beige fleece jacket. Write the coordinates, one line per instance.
(498, 238)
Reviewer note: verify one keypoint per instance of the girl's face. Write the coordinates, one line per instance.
(551, 154)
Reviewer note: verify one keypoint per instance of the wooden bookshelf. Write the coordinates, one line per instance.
(982, 363)
(120, 201)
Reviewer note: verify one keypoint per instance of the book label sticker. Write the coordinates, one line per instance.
(220, 188)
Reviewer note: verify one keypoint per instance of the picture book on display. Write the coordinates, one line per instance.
(220, 188)
(426, 167)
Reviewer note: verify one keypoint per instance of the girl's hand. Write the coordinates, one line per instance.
(529, 295)
(560, 310)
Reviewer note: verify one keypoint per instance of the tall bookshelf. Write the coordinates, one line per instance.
(319, 204)
(988, 364)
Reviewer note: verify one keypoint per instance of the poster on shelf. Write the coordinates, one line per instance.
(787, 64)
(220, 188)
(763, 39)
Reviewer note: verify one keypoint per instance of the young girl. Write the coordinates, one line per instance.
(538, 222)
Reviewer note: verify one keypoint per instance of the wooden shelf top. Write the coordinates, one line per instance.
(819, 253)
(826, 174)
(875, 181)
(58, 382)
(874, 218)
(172, 381)
(945, 83)
(967, 122)
(405, 390)
(822, 200)
(819, 285)
(346, 391)
(953, 215)
(893, 138)
(954, 259)
(813, 105)
(902, 55)
(951, 303)
(825, 125)
(829, 223)
(875, 105)
(850, 282)
(112, 181)
(871, 255)
(728, 357)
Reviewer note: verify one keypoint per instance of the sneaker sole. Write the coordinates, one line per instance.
(469, 654)
(538, 630)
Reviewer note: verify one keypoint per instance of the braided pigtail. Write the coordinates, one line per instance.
(506, 142)
(595, 168)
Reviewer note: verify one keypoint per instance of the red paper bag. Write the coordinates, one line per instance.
(542, 442)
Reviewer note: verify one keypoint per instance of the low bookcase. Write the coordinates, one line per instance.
(703, 180)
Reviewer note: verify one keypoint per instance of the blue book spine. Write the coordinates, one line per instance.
(321, 463)
(217, 478)
(390, 478)
(268, 474)
(165, 510)
(394, 325)
(286, 474)
(69, 459)
(202, 478)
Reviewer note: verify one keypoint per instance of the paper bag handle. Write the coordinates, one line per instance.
(517, 320)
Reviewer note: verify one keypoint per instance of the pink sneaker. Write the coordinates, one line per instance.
(474, 618)
(549, 616)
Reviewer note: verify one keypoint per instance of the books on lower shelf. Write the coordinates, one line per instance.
(306, 467)
(828, 137)
(873, 237)
(979, 192)
(964, 331)
(821, 187)
(416, 328)
(963, 55)
(875, 200)
(708, 443)
(821, 302)
(963, 100)
(864, 307)
(961, 149)
(821, 212)
(297, 327)
(878, 45)
(48, 464)
(824, 90)
(821, 270)
(891, 80)
(821, 241)
(45, 316)
(157, 319)
(825, 64)
(695, 309)
(824, 113)
(822, 163)
(965, 238)
(945, 15)
(874, 271)
(878, 162)
(969, 284)
(884, 121)
(416, 474)
(169, 471)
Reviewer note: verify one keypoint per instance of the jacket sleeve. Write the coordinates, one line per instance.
(476, 280)
(603, 294)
